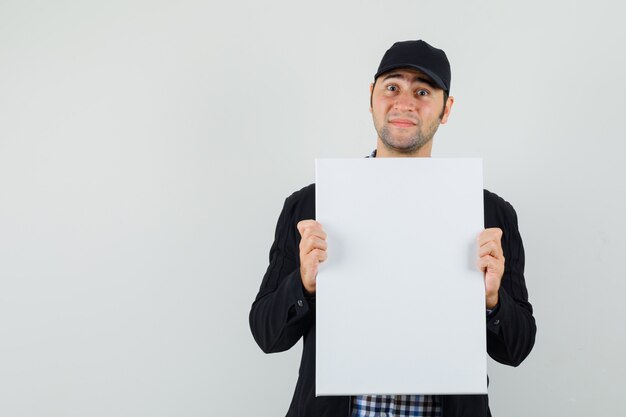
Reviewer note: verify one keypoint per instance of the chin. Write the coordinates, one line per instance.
(403, 149)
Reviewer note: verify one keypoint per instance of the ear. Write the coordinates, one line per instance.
(371, 92)
(448, 108)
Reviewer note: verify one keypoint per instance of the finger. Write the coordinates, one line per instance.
(309, 244)
(481, 264)
(310, 262)
(314, 232)
(311, 228)
(321, 255)
(303, 224)
(490, 264)
(493, 233)
(490, 248)
(314, 257)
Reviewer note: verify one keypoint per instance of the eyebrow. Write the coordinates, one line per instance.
(427, 81)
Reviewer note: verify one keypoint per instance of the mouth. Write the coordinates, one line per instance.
(402, 122)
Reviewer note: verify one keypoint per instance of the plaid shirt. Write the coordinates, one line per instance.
(395, 405)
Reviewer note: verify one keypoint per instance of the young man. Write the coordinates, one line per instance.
(409, 100)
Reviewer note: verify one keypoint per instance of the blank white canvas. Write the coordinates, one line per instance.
(400, 303)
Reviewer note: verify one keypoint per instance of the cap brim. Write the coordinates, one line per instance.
(438, 81)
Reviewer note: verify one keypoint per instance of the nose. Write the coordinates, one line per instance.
(405, 101)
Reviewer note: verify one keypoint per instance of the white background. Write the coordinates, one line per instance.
(146, 148)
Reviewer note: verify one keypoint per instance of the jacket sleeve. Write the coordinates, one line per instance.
(281, 313)
(511, 326)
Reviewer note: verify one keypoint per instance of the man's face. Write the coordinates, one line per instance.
(407, 110)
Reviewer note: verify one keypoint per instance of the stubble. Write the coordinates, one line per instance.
(410, 144)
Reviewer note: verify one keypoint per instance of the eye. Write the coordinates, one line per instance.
(422, 92)
(391, 87)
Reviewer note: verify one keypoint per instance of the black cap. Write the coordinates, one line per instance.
(421, 56)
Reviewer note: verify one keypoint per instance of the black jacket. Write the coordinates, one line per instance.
(281, 313)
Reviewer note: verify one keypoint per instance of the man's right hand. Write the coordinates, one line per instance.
(312, 252)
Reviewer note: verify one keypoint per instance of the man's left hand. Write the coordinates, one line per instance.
(491, 262)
